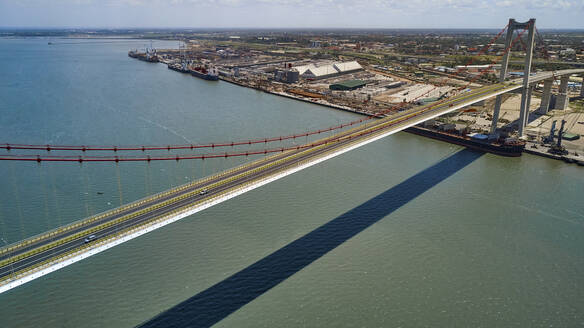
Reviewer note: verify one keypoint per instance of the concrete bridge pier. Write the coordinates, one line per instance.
(562, 99)
(498, 101)
(546, 97)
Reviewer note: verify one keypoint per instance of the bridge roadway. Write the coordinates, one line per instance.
(47, 252)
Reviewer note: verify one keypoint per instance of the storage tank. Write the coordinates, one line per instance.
(292, 76)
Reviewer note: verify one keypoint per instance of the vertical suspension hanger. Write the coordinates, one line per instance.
(85, 187)
(203, 165)
(118, 175)
(17, 199)
(147, 183)
(171, 175)
(4, 240)
(56, 198)
(178, 173)
(43, 184)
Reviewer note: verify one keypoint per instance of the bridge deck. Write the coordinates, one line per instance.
(42, 254)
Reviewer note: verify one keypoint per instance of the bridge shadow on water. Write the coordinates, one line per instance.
(220, 300)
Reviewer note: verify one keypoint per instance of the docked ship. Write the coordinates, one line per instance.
(179, 67)
(148, 56)
(502, 146)
(210, 74)
(133, 53)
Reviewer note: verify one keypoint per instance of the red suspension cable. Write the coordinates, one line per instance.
(212, 145)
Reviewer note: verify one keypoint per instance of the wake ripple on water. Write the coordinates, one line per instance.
(166, 128)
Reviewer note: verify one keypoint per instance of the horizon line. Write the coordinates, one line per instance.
(260, 28)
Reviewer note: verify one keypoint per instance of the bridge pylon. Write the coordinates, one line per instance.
(525, 94)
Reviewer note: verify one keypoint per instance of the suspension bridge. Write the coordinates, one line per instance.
(37, 256)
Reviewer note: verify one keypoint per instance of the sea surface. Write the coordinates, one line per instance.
(403, 232)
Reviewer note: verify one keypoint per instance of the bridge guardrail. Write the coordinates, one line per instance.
(390, 121)
(62, 257)
(188, 207)
(150, 208)
(142, 211)
(134, 204)
(91, 219)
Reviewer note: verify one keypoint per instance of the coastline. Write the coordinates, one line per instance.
(286, 95)
(566, 159)
(538, 150)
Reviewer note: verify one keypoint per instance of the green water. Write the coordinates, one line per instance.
(498, 243)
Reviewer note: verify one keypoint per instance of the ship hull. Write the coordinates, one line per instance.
(204, 76)
(143, 57)
(177, 69)
(502, 150)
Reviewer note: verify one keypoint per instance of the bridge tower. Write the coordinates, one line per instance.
(524, 111)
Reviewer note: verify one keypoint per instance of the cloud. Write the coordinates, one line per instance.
(324, 5)
(289, 13)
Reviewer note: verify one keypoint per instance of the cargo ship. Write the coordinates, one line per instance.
(178, 67)
(204, 73)
(510, 147)
(200, 72)
(148, 56)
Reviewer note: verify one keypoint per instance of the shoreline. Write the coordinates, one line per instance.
(539, 150)
(529, 150)
(286, 95)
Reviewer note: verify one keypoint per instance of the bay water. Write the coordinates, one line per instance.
(470, 239)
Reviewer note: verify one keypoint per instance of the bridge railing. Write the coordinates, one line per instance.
(167, 202)
(128, 231)
(335, 138)
(86, 221)
(372, 131)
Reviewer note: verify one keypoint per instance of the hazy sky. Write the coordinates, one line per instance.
(289, 13)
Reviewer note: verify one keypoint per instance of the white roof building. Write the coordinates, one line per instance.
(347, 67)
(320, 72)
(303, 68)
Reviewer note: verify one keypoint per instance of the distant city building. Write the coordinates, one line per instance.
(478, 68)
(567, 52)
